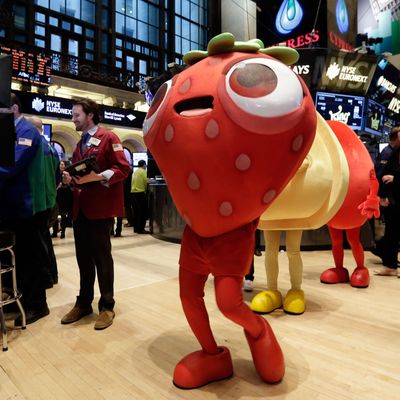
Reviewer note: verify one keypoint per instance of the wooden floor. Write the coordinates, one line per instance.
(345, 346)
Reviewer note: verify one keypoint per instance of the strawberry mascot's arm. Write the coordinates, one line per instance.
(228, 133)
(361, 202)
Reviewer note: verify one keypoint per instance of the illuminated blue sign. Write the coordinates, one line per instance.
(289, 16)
(342, 17)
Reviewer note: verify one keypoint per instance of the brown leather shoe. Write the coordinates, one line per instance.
(104, 320)
(76, 314)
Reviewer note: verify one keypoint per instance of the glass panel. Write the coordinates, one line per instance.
(39, 42)
(73, 47)
(118, 64)
(142, 67)
(143, 32)
(73, 8)
(40, 30)
(185, 46)
(88, 11)
(43, 3)
(118, 42)
(118, 53)
(20, 17)
(153, 35)
(130, 9)
(153, 15)
(129, 63)
(186, 8)
(130, 27)
(194, 32)
(53, 21)
(178, 21)
(89, 32)
(194, 13)
(119, 23)
(57, 5)
(104, 43)
(39, 17)
(66, 25)
(55, 43)
(89, 45)
(105, 22)
(120, 5)
(178, 6)
(2, 33)
(178, 47)
(143, 11)
(20, 38)
(89, 56)
(78, 29)
(185, 28)
(128, 45)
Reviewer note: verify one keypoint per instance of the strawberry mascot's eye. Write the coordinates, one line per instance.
(158, 98)
(253, 80)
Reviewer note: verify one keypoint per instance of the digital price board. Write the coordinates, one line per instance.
(29, 67)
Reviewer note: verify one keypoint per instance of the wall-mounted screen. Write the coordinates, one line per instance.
(340, 107)
(47, 130)
(388, 124)
(136, 157)
(374, 118)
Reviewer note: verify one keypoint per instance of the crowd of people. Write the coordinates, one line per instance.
(41, 193)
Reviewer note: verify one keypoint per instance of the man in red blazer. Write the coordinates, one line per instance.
(98, 198)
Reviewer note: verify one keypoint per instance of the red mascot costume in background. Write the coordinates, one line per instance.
(228, 133)
(355, 209)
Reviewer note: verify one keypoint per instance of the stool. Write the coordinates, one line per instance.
(7, 241)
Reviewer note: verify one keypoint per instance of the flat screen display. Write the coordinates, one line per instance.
(388, 124)
(47, 130)
(340, 107)
(374, 118)
(5, 82)
(136, 157)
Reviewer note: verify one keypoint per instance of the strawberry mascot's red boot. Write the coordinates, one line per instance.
(228, 133)
(360, 203)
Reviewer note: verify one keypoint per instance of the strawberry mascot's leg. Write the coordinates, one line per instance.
(213, 362)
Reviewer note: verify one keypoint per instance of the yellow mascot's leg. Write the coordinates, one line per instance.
(294, 301)
(270, 299)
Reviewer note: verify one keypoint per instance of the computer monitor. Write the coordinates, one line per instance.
(374, 118)
(341, 107)
(136, 157)
(7, 140)
(5, 80)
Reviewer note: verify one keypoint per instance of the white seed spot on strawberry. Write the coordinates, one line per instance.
(212, 129)
(269, 196)
(297, 143)
(243, 162)
(193, 181)
(169, 133)
(225, 209)
(187, 220)
(185, 86)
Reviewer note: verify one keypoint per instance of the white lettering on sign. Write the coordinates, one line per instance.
(114, 116)
(340, 115)
(394, 105)
(301, 69)
(386, 84)
(55, 107)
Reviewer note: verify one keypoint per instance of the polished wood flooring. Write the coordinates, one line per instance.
(345, 346)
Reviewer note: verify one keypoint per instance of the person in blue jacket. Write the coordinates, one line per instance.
(22, 196)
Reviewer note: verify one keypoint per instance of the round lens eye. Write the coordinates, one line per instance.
(157, 100)
(253, 80)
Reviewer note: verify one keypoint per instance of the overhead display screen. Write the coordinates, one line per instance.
(29, 67)
(340, 107)
(347, 72)
(374, 118)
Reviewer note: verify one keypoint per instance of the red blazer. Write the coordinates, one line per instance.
(95, 200)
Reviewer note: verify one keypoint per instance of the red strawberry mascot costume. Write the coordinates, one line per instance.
(228, 133)
(361, 202)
